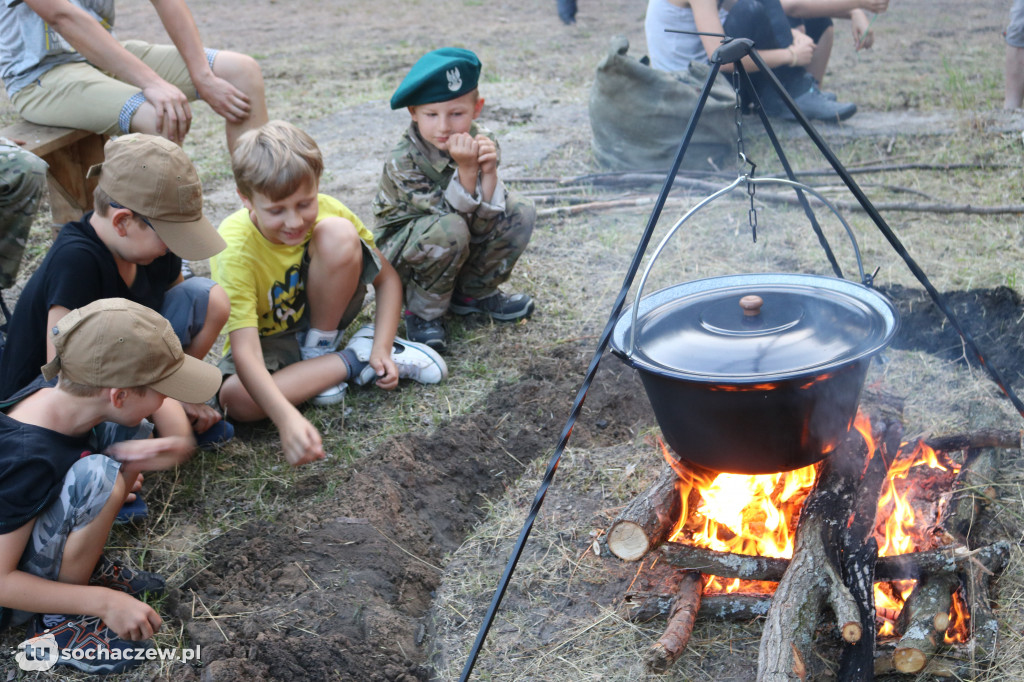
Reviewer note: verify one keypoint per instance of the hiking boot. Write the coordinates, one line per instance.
(430, 332)
(499, 305)
(812, 104)
(416, 361)
(82, 642)
(123, 579)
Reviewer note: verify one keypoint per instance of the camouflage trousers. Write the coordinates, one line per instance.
(22, 182)
(87, 488)
(436, 255)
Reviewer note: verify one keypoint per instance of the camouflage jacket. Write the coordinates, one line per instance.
(417, 181)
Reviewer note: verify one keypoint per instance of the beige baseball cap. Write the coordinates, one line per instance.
(117, 343)
(155, 178)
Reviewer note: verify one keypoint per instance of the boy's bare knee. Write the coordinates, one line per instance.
(335, 241)
(218, 308)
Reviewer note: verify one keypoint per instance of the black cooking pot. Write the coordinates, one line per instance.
(755, 373)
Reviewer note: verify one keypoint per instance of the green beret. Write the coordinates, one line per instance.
(438, 76)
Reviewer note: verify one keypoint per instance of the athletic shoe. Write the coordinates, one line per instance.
(131, 581)
(499, 305)
(330, 396)
(431, 332)
(416, 361)
(812, 104)
(82, 642)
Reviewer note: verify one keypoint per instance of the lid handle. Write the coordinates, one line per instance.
(751, 305)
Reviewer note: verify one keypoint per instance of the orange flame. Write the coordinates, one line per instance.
(959, 629)
(757, 515)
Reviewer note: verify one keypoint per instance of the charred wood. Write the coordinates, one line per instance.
(988, 438)
(814, 577)
(923, 622)
(641, 607)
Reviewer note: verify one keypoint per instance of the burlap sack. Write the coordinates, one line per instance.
(638, 114)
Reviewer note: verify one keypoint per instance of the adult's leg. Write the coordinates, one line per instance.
(428, 254)
(764, 22)
(22, 183)
(1014, 74)
(822, 53)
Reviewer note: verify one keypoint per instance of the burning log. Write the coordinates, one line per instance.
(860, 553)
(908, 566)
(986, 438)
(814, 576)
(641, 607)
(648, 519)
(954, 663)
(923, 622)
(670, 646)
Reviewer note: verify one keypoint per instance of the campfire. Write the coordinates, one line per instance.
(864, 560)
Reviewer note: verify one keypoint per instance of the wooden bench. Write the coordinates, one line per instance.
(70, 153)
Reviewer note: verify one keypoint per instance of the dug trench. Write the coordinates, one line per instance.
(342, 593)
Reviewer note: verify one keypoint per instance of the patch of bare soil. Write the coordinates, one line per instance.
(340, 591)
(993, 317)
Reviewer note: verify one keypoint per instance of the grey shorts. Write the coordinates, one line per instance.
(1015, 31)
(185, 307)
(87, 488)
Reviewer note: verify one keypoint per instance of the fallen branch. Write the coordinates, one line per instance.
(986, 438)
(648, 519)
(670, 646)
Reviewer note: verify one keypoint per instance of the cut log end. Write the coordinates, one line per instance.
(909, 660)
(852, 632)
(628, 541)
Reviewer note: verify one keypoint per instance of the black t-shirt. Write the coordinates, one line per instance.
(78, 269)
(33, 464)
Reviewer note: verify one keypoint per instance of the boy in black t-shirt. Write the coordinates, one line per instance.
(149, 215)
(115, 361)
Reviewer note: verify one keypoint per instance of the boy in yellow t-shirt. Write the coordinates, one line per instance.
(296, 267)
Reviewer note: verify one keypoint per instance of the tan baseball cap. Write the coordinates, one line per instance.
(116, 343)
(155, 178)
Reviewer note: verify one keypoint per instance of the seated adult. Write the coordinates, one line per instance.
(62, 66)
(22, 183)
(786, 51)
(814, 17)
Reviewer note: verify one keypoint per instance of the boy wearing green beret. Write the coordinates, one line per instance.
(444, 218)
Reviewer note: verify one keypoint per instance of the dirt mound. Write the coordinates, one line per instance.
(341, 593)
(993, 317)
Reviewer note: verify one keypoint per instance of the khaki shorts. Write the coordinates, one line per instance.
(79, 95)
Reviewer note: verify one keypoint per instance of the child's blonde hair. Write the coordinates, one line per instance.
(276, 160)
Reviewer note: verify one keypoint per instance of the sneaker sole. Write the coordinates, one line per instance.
(324, 401)
(501, 317)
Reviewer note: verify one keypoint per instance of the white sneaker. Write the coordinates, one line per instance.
(317, 343)
(330, 396)
(416, 361)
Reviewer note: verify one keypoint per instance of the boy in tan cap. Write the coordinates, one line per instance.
(149, 215)
(114, 362)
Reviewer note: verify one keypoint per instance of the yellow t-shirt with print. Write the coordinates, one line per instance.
(261, 278)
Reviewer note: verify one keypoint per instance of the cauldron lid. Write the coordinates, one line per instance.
(794, 325)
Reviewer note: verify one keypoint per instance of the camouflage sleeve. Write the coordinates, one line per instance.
(405, 192)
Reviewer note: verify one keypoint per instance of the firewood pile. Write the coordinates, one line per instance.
(822, 610)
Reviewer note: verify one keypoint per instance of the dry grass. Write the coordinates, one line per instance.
(574, 267)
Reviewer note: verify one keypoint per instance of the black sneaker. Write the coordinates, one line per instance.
(131, 581)
(82, 642)
(429, 332)
(499, 305)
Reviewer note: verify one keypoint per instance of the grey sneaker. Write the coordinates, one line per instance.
(499, 305)
(416, 361)
(431, 332)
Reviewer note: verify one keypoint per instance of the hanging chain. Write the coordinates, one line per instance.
(752, 213)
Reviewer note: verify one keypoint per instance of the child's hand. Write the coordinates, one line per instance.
(301, 441)
(128, 617)
(863, 36)
(487, 154)
(201, 416)
(153, 454)
(384, 366)
(464, 151)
